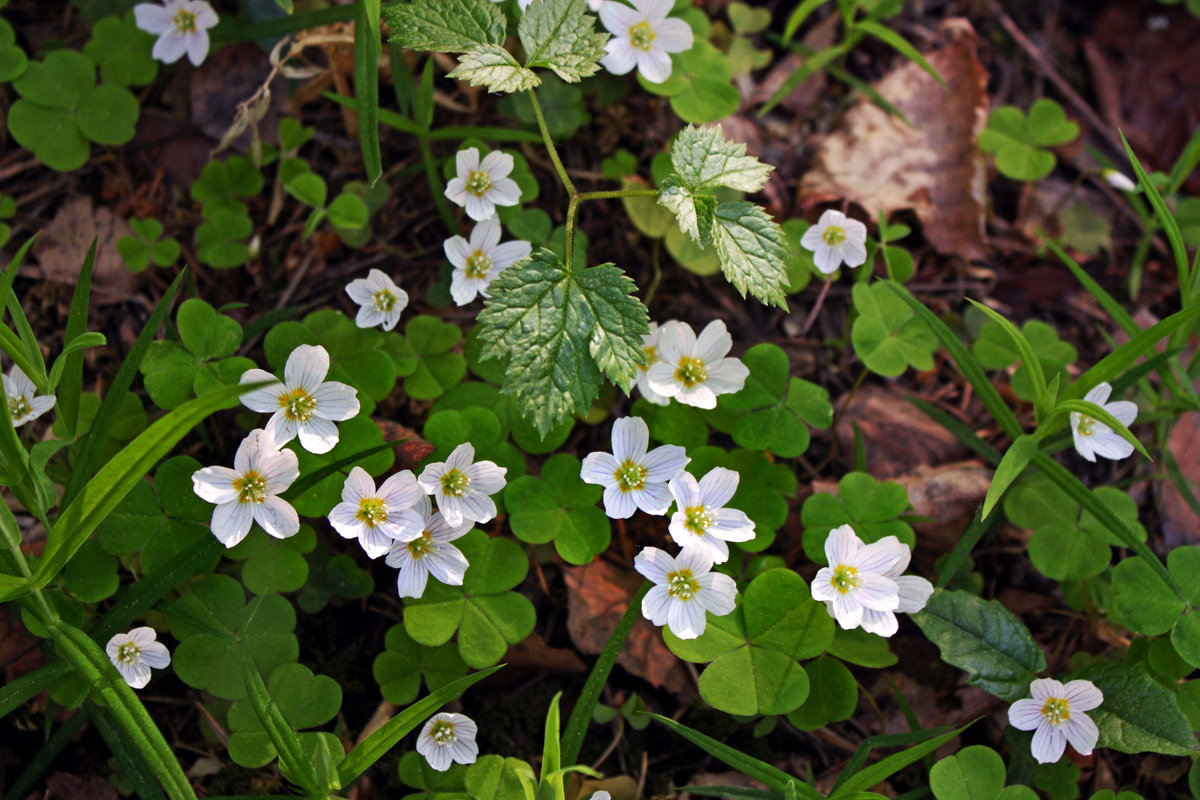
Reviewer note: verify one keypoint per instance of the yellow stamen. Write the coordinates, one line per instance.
(630, 476)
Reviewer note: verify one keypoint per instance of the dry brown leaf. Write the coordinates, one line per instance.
(933, 167)
(63, 246)
(231, 76)
(63, 786)
(532, 652)
(948, 495)
(412, 450)
(1179, 522)
(898, 438)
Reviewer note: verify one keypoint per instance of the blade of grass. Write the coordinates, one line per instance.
(868, 776)
(966, 543)
(366, 85)
(229, 30)
(131, 761)
(77, 318)
(1033, 364)
(1165, 219)
(811, 65)
(802, 12)
(901, 46)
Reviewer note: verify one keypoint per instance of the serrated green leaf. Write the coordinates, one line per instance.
(752, 251)
(561, 36)
(445, 26)
(492, 66)
(705, 159)
(693, 210)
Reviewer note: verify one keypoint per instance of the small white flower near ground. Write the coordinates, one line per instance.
(381, 300)
(642, 381)
(248, 492)
(447, 738)
(135, 653)
(856, 579)
(684, 589)
(701, 519)
(479, 260)
(24, 403)
(632, 477)
(1055, 715)
(377, 518)
(913, 591)
(480, 186)
(643, 37)
(694, 370)
(1094, 438)
(462, 486)
(425, 550)
(304, 404)
(1118, 180)
(181, 27)
(834, 239)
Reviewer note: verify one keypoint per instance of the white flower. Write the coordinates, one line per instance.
(24, 404)
(633, 478)
(378, 518)
(181, 27)
(600, 795)
(426, 550)
(694, 370)
(1055, 715)
(462, 487)
(305, 404)
(135, 653)
(448, 737)
(701, 519)
(594, 5)
(480, 187)
(834, 239)
(1094, 438)
(913, 591)
(643, 37)
(650, 348)
(1118, 180)
(684, 588)
(381, 300)
(247, 493)
(856, 580)
(477, 262)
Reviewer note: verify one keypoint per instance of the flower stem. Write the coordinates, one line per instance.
(558, 165)
(617, 193)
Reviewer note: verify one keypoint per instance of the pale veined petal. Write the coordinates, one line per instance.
(1082, 695)
(369, 317)
(1099, 393)
(914, 593)
(447, 564)
(727, 375)
(656, 604)
(846, 610)
(152, 18)
(504, 192)
(630, 438)
(1124, 410)
(655, 66)
(854, 253)
(674, 35)
(1082, 733)
(822, 584)
(197, 46)
(621, 58)
(880, 623)
(599, 468)
(486, 235)
(713, 342)
(505, 254)
(664, 463)
(676, 340)
(841, 545)
(1049, 744)
(699, 396)
(156, 655)
(374, 542)
(653, 498)
(266, 399)
(686, 618)
(479, 208)
(357, 486)
(827, 259)
(317, 435)
(1045, 688)
(486, 477)
(477, 507)
(1025, 715)
(38, 406)
(497, 164)
(411, 580)
(215, 484)
(687, 491)
(466, 161)
(231, 522)
(718, 593)
(618, 504)
(344, 519)
(306, 367)
(877, 592)
(877, 557)
(618, 17)
(277, 517)
(170, 47)
(654, 564)
(661, 377)
(336, 401)
(733, 525)
(400, 491)
(280, 428)
(280, 470)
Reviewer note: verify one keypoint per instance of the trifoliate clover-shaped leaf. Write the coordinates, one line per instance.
(13, 60)
(333, 577)
(438, 368)
(752, 251)
(704, 159)
(147, 245)
(174, 373)
(700, 86)
(995, 350)
(873, 508)
(492, 66)
(91, 574)
(560, 35)
(305, 700)
(399, 668)
(445, 26)
(122, 51)
(220, 242)
(222, 183)
(562, 332)
(559, 507)
(1016, 139)
(888, 336)
(836, 697)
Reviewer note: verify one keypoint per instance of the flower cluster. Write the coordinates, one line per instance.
(692, 369)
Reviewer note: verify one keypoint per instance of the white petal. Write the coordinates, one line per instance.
(197, 46)
(317, 435)
(1082, 696)
(477, 507)
(170, 47)
(686, 492)
(497, 164)
(653, 498)
(877, 592)
(279, 470)
(676, 340)
(621, 58)
(357, 486)
(656, 605)
(598, 468)
(827, 259)
(1108, 443)
(686, 619)
(630, 438)
(847, 610)
(1025, 715)
(479, 208)
(718, 593)
(841, 545)
(215, 484)
(1124, 410)
(505, 254)
(1045, 688)
(156, 655)
(344, 519)
(664, 463)
(654, 564)
(618, 18)
(1082, 733)
(674, 35)
(914, 593)
(152, 18)
(880, 623)
(1099, 393)
(277, 517)
(1048, 744)
(822, 584)
(400, 491)
(618, 504)
(266, 399)
(486, 477)
(698, 396)
(713, 342)
(466, 161)
(727, 375)
(336, 401)
(854, 253)
(412, 578)
(306, 367)
(231, 522)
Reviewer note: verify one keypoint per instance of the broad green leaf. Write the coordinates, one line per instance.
(445, 26)
(1138, 714)
(873, 508)
(704, 159)
(560, 35)
(694, 210)
(1143, 600)
(1016, 458)
(835, 697)
(887, 335)
(752, 251)
(492, 66)
(973, 773)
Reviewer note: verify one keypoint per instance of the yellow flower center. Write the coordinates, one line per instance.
(442, 732)
(682, 585)
(1056, 711)
(421, 546)
(641, 35)
(298, 405)
(372, 511)
(478, 182)
(833, 235)
(185, 21)
(691, 371)
(455, 483)
(18, 406)
(1087, 425)
(129, 653)
(384, 300)
(251, 488)
(651, 356)
(697, 519)
(844, 578)
(478, 265)
(630, 476)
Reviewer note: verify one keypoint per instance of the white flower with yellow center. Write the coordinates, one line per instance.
(135, 653)
(642, 380)
(248, 493)
(856, 579)
(632, 477)
(304, 403)
(462, 486)
(685, 587)
(643, 37)
(479, 260)
(694, 369)
(425, 549)
(912, 591)
(834, 239)
(482, 185)
(447, 738)
(1094, 438)
(24, 403)
(1055, 715)
(381, 300)
(181, 27)
(701, 519)
(377, 518)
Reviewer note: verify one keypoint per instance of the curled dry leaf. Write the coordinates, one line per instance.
(949, 495)
(1180, 523)
(932, 167)
(63, 245)
(897, 437)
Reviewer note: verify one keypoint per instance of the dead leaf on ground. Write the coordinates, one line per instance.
(231, 76)
(532, 652)
(63, 246)
(62, 786)
(933, 167)
(898, 438)
(801, 98)
(597, 596)
(1179, 522)
(410, 452)
(19, 652)
(949, 495)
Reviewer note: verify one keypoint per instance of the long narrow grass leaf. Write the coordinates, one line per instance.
(366, 85)
(72, 371)
(901, 46)
(1165, 218)
(1033, 365)
(280, 733)
(868, 776)
(231, 31)
(811, 65)
(962, 549)
(801, 13)
(140, 776)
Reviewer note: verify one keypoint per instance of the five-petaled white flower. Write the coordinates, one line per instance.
(1094, 438)
(477, 262)
(684, 588)
(856, 581)
(701, 519)
(425, 550)
(135, 653)
(694, 370)
(378, 518)
(913, 591)
(1055, 715)
(448, 737)
(181, 27)
(834, 239)
(481, 186)
(247, 493)
(24, 403)
(304, 403)
(462, 487)
(643, 37)
(633, 478)
(381, 300)
(1118, 180)
(650, 348)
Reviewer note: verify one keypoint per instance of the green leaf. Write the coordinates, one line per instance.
(880, 771)
(901, 45)
(835, 698)
(1016, 139)
(206, 333)
(873, 508)
(887, 335)
(694, 210)
(122, 52)
(1138, 714)
(445, 26)
(1142, 598)
(749, 766)
(309, 188)
(752, 251)
(492, 66)
(704, 159)
(1016, 458)
(973, 773)
(984, 639)
(560, 35)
